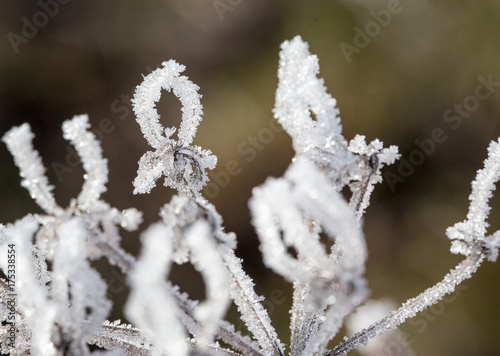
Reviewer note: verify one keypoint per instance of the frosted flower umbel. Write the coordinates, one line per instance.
(182, 165)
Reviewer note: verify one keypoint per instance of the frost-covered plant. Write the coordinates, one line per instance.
(56, 302)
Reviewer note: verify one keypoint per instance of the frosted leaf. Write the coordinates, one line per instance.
(123, 337)
(468, 237)
(198, 237)
(77, 131)
(475, 227)
(300, 93)
(327, 207)
(207, 260)
(182, 165)
(182, 212)
(308, 113)
(252, 312)
(212, 350)
(19, 142)
(306, 192)
(150, 305)
(482, 190)
(280, 226)
(148, 94)
(230, 336)
(77, 285)
(303, 323)
(225, 331)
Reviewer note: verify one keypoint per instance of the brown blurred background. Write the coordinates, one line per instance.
(88, 56)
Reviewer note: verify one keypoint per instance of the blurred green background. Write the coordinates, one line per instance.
(408, 76)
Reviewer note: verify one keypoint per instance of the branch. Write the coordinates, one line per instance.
(431, 296)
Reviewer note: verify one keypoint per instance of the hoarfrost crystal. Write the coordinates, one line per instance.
(182, 165)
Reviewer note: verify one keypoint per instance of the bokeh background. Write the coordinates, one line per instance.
(88, 56)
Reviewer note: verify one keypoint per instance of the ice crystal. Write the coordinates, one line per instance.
(61, 305)
(182, 165)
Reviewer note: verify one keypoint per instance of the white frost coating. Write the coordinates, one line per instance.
(303, 323)
(148, 93)
(98, 215)
(492, 244)
(375, 158)
(208, 262)
(308, 114)
(75, 295)
(124, 339)
(95, 212)
(182, 212)
(130, 219)
(276, 213)
(253, 314)
(305, 197)
(482, 190)
(230, 336)
(475, 226)
(150, 305)
(77, 131)
(19, 142)
(300, 93)
(182, 165)
(326, 206)
(77, 288)
(39, 312)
